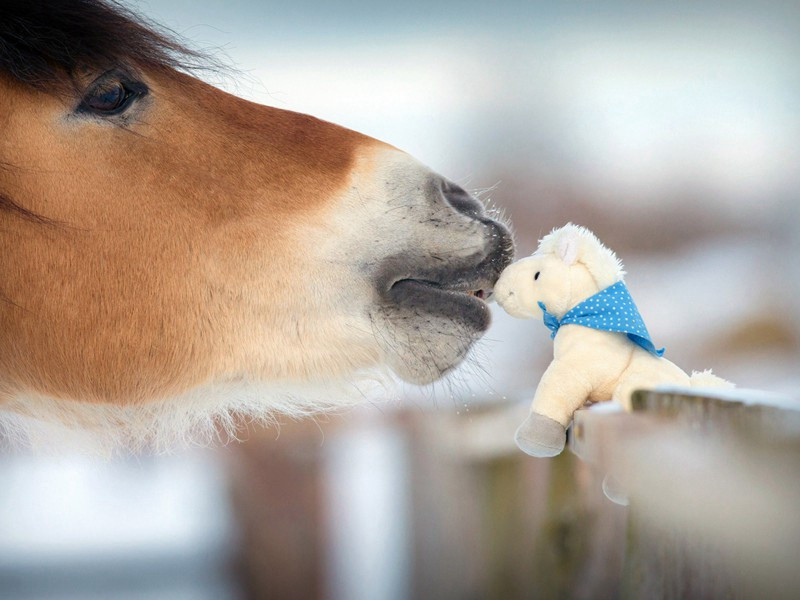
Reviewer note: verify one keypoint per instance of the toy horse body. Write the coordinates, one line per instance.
(602, 350)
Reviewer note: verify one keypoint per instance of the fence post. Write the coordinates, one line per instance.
(713, 482)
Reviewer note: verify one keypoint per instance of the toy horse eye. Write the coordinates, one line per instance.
(111, 96)
(535, 277)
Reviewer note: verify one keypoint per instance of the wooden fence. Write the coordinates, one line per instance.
(705, 490)
(713, 487)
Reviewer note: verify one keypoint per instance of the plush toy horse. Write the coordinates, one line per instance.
(602, 348)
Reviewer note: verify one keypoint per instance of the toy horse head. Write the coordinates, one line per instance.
(569, 265)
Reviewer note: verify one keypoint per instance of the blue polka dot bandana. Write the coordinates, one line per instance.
(611, 309)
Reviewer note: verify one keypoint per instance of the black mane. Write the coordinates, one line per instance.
(47, 42)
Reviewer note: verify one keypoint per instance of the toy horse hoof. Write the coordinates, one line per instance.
(541, 436)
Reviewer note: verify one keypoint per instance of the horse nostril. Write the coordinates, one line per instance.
(461, 200)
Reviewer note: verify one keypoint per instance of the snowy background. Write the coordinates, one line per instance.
(671, 131)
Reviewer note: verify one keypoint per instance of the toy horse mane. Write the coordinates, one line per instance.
(576, 244)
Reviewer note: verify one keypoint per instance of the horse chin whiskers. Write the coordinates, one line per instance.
(207, 416)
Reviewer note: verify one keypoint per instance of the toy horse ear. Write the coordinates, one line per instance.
(568, 248)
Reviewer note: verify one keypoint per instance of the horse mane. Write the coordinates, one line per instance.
(601, 261)
(47, 44)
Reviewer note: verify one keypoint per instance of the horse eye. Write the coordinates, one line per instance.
(535, 277)
(110, 98)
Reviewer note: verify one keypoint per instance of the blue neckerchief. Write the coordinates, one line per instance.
(611, 309)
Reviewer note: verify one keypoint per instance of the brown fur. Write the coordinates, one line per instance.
(193, 199)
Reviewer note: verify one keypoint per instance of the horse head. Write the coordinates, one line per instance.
(159, 235)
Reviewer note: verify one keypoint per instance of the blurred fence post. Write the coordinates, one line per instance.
(713, 483)
(491, 522)
(276, 493)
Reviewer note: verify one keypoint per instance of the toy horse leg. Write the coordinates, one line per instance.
(560, 393)
(646, 372)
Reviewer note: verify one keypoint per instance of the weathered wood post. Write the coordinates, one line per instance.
(713, 482)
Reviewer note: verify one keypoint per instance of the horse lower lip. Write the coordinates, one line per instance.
(476, 292)
(435, 299)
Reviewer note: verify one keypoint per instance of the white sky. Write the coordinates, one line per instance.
(626, 98)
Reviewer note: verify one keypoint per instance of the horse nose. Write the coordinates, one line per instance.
(461, 200)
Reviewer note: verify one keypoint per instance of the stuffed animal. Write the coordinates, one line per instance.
(602, 350)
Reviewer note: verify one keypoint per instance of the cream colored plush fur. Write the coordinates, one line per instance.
(588, 365)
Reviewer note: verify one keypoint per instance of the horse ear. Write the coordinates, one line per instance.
(568, 248)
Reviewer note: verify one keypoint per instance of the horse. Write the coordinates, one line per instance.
(167, 246)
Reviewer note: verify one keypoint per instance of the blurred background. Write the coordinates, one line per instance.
(670, 130)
